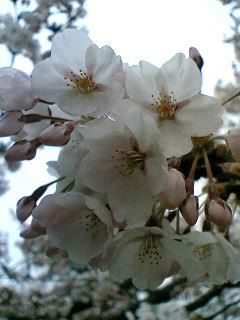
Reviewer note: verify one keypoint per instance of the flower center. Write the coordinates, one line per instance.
(165, 106)
(90, 222)
(128, 161)
(202, 252)
(81, 82)
(149, 250)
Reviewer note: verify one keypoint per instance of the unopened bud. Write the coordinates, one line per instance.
(10, 123)
(189, 209)
(22, 150)
(218, 212)
(233, 142)
(24, 208)
(52, 251)
(175, 192)
(58, 134)
(37, 227)
(196, 56)
(29, 233)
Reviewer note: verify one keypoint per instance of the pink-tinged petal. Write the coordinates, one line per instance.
(69, 49)
(24, 209)
(47, 83)
(15, 90)
(182, 76)
(10, 123)
(174, 192)
(58, 134)
(103, 64)
(22, 150)
(56, 208)
(189, 209)
(200, 117)
(218, 212)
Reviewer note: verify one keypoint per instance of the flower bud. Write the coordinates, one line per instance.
(218, 212)
(189, 209)
(233, 142)
(29, 233)
(196, 56)
(58, 134)
(15, 90)
(175, 192)
(24, 208)
(22, 150)
(10, 123)
(52, 251)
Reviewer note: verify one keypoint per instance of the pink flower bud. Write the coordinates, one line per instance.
(175, 191)
(24, 208)
(15, 90)
(233, 142)
(10, 123)
(57, 134)
(52, 251)
(22, 150)
(189, 209)
(29, 233)
(218, 212)
(196, 56)
(37, 227)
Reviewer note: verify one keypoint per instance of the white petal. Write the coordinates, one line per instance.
(47, 83)
(131, 200)
(201, 117)
(182, 76)
(141, 83)
(69, 49)
(172, 140)
(156, 170)
(103, 64)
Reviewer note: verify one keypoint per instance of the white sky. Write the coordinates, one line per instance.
(152, 30)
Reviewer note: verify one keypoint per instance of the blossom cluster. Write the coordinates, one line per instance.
(122, 131)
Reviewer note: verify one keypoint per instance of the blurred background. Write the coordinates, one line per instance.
(33, 286)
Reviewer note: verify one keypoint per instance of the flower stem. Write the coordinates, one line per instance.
(208, 166)
(193, 167)
(178, 222)
(231, 98)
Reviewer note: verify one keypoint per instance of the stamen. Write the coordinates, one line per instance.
(149, 250)
(128, 161)
(81, 82)
(165, 106)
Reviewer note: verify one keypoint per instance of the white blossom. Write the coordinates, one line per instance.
(80, 77)
(126, 164)
(172, 96)
(76, 223)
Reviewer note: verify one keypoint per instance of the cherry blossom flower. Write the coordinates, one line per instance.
(80, 77)
(15, 90)
(212, 258)
(126, 164)
(172, 96)
(68, 163)
(76, 223)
